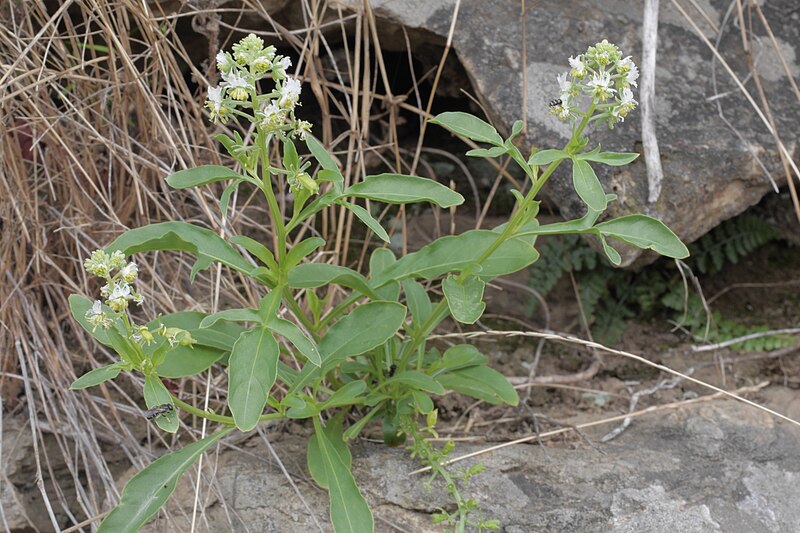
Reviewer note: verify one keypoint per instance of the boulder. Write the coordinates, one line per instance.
(713, 466)
(710, 139)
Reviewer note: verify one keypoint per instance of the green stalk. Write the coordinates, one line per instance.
(440, 312)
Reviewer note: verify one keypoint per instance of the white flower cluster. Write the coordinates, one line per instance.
(117, 291)
(602, 74)
(241, 72)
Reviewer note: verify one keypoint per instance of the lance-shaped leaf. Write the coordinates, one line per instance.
(182, 236)
(149, 489)
(252, 370)
(614, 159)
(646, 233)
(480, 382)
(348, 509)
(588, 186)
(545, 157)
(454, 253)
(366, 327)
(465, 298)
(295, 335)
(231, 315)
(368, 220)
(301, 250)
(402, 189)
(155, 393)
(203, 175)
(313, 275)
(468, 126)
(97, 376)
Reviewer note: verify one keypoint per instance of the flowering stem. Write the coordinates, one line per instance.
(275, 212)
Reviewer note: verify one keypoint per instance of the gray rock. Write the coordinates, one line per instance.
(709, 467)
(710, 172)
(15, 448)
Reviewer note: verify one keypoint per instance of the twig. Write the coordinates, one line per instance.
(737, 340)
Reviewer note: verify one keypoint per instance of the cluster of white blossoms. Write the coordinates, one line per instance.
(117, 293)
(602, 74)
(241, 71)
(118, 290)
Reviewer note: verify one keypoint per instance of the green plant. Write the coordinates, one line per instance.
(361, 354)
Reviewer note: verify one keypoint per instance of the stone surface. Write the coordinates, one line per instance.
(15, 449)
(719, 466)
(710, 172)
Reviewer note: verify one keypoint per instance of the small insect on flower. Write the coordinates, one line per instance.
(557, 102)
(158, 410)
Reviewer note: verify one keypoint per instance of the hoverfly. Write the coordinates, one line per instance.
(556, 102)
(158, 410)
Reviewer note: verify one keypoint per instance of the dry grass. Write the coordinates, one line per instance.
(100, 101)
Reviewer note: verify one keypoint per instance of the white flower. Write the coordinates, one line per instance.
(129, 272)
(627, 98)
(302, 129)
(225, 62)
(564, 85)
(97, 317)
(290, 93)
(238, 86)
(578, 68)
(215, 98)
(600, 84)
(273, 117)
(633, 75)
(279, 67)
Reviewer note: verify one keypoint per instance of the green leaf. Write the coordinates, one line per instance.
(494, 151)
(221, 335)
(480, 382)
(417, 380)
(457, 357)
(321, 154)
(468, 126)
(252, 370)
(588, 186)
(366, 327)
(78, 306)
(313, 275)
(149, 489)
(465, 299)
(257, 249)
(614, 159)
(203, 175)
(96, 376)
(646, 233)
(348, 508)
(155, 393)
(345, 395)
(418, 301)
(611, 253)
(231, 315)
(182, 236)
(368, 220)
(300, 250)
(545, 157)
(212, 344)
(402, 189)
(299, 340)
(290, 157)
(380, 260)
(454, 253)
(225, 198)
